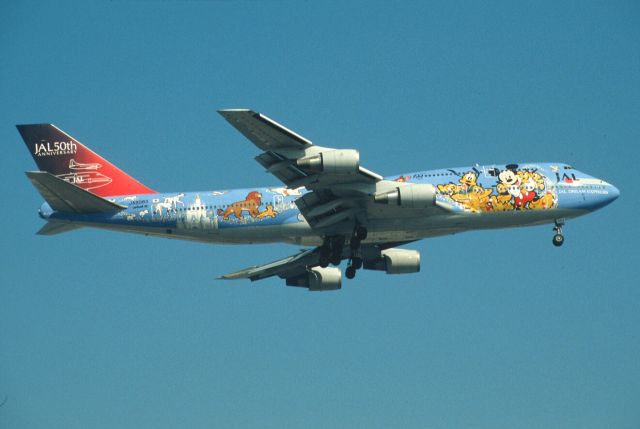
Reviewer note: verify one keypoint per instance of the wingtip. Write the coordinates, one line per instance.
(231, 111)
(235, 115)
(34, 173)
(231, 276)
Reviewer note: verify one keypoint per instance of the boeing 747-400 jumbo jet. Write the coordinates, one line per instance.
(327, 201)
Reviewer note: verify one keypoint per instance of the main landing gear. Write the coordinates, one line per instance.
(331, 251)
(355, 263)
(558, 238)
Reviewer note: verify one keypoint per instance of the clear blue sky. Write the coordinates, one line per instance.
(499, 330)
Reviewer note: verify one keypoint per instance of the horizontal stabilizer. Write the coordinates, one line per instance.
(65, 197)
(54, 228)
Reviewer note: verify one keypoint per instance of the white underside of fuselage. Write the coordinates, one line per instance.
(389, 230)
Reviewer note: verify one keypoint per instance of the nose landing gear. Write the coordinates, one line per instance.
(558, 238)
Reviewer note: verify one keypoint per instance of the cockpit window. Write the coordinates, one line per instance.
(568, 167)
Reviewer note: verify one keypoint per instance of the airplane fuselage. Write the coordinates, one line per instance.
(467, 198)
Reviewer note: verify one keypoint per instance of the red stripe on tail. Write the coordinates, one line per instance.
(60, 154)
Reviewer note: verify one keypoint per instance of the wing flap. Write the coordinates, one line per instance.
(283, 268)
(283, 168)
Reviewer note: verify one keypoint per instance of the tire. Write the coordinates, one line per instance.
(324, 261)
(361, 233)
(350, 272)
(558, 240)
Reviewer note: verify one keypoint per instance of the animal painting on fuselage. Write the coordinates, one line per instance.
(250, 204)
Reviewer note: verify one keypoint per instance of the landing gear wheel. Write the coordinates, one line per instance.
(325, 256)
(360, 232)
(558, 240)
(336, 259)
(324, 261)
(350, 272)
(331, 251)
(356, 263)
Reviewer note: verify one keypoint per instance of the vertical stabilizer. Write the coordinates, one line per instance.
(63, 156)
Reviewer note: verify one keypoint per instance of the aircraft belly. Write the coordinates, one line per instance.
(299, 233)
(295, 233)
(407, 229)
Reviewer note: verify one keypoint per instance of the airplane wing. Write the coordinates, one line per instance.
(294, 159)
(264, 132)
(290, 266)
(303, 270)
(342, 191)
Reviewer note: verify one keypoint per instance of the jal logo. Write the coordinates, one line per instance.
(45, 148)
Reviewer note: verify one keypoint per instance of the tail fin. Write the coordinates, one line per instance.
(63, 156)
(67, 198)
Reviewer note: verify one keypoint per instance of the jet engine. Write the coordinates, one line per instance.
(318, 279)
(412, 196)
(395, 261)
(341, 161)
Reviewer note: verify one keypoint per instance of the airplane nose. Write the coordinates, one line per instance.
(613, 192)
(603, 195)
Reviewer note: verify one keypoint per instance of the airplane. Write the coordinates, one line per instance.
(327, 202)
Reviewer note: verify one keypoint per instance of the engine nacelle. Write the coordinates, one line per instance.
(411, 196)
(395, 261)
(341, 161)
(318, 279)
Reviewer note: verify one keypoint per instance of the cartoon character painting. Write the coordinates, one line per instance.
(250, 204)
(269, 212)
(449, 189)
(516, 189)
(502, 201)
(468, 181)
